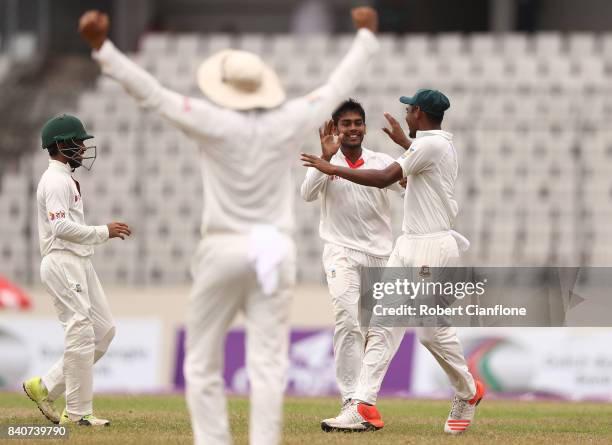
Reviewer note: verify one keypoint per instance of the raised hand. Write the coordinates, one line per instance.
(319, 163)
(396, 133)
(118, 230)
(365, 17)
(330, 144)
(93, 27)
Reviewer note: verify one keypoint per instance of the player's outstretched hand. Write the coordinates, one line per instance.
(396, 133)
(320, 164)
(329, 142)
(365, 17)
(93, 27)
(118, 230)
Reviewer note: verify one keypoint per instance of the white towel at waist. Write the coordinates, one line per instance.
(268, 247)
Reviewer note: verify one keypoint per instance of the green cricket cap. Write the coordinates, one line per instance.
(430, 101)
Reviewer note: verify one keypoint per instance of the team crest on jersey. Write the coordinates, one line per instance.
(78, 288)
(412, 149)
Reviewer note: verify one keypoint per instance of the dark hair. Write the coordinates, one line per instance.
(53, 149)
(346, 107)
(437, 120)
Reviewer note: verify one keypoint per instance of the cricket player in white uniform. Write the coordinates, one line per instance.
(356, 227)
(247, 136)
(430, 163)
(66, 271)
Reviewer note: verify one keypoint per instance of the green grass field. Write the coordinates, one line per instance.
(164, 419)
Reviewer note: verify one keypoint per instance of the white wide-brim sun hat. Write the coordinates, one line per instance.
(239, 80)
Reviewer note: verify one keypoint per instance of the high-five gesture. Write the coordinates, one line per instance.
(93, 27)
(330, 143)
(396, 133)
(365, 17)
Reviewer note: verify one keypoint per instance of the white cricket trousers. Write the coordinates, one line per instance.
(433, 250)
(224, 284)
(343, 271)
(84, 313)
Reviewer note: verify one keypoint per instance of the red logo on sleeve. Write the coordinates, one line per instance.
(57, 215)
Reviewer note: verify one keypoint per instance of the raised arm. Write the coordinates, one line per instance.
(319, 104)
(315, 180)
(395, 132)
(191, 115)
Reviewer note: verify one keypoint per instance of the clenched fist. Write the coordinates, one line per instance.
(365, 17)
(93, 27)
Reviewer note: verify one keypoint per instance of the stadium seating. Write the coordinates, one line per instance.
(530, 115)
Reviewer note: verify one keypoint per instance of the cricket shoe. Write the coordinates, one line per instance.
(37, 392)
(462, 412)
(344, 405)
(356, 417)
(326, 422)
(88, 420)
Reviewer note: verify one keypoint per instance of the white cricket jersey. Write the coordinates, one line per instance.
(353, 215)
(61, 221)
(246, 157)
(431, 167)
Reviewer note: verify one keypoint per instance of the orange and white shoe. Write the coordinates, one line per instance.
(462, 412)
(356, 417)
